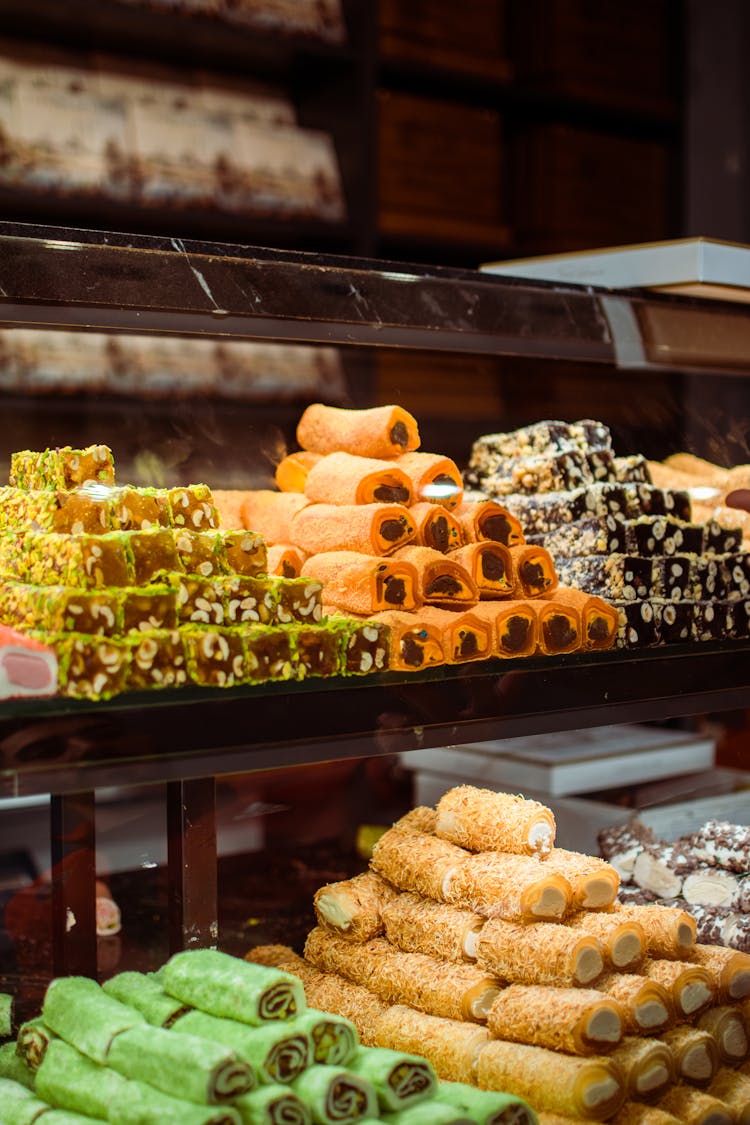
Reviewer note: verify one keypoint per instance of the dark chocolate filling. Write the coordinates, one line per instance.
(391, 494)
(438, 534)
(411, 652)
(288, 570)
(399, 434)
(444, 479)
(394, 590)
(391, 530)
(496, 527)
(443, 584)
(516, 636)
(493, 566)
(558, 632)
(598, 630)
(532, 576)
(468, 646)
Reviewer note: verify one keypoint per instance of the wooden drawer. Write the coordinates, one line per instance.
(470, 37)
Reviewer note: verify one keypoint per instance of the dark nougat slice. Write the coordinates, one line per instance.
(620, 577)
(317, 649)
(638, 626)
(268, 653)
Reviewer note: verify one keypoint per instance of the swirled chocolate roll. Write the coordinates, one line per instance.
(579, 1021)
(487, 1107)
(559, 627)
(599, 620)
(726, 1026)
(440, 988)
(145, 994)
(696, 1107)
(416, 861)
(285, 560)
(364, 584)
(343, 478)
(352, 908)
(733, 1090)
(413, 643)
(443, 581)
(623, 941)
(421, 925)
(435, 479)
(647, 1066)
(232, 988)
(695, 1054)
(463, 634)
(373, 529)
(334, 1039)
(399, 1078)
(483, 820)
(380, 431)
(137, 1103)
(275, 1052)
(669, 930)
(534, 570)
(690, 986)
(594, 881)
(539, 953)
(77, 1010)
(272, 1105)
(489, 520)
(291, 472)
(729, 969)
(647, 1004)
(516, 888)
(335, 1096)
(490, 567)
(436, 527)
(452, 1046)
(34, 1037)
(589, 1088)
(68, 1080)
(513, 624)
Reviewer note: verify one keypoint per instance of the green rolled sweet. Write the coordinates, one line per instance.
(77, 1010)
(6, 1014)
(142, 992)
(19, 1106)
(334, 1095)
(272, 1105)
(487, 1107)
(400, 1079)
(67, 1117)
(277, 1051)
(34, 1037)
(232, 988)
(184, 1066)
(140, 1104)
(431, 1112)
(71, 1081)
(13, 1065)
(334, 1038)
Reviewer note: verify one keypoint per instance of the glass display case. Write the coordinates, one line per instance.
(469, 353)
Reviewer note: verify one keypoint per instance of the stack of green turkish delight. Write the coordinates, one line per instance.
(214, 1040)
(139, 588)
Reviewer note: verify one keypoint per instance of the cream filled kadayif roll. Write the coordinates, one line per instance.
(482, 820)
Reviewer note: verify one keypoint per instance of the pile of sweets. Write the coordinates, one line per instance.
(614, 533)
(214, 1040)
(139, 588)
(386, 529)
(709, 486)
(510, 965)
(706, 873)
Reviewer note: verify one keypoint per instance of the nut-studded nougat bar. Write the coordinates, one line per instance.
(316, 649)
(52, 558)
(557, 472)
(713, 620)
(247, 600)
(138, 509)
(297, 599)
(157, 660)
(62, 609)
(145, 608)
(365, 645)
(735, 574)
(538, 438)
(89, 667)
(242, 552)
(631, 469)
(153, 552)
(200, 601)
(268, 653)
(198, 552)
(591, 535)
(192, 506)
(62, 468)
(215, 656)
(674, 620)
(539, 513)
(639, 625)
(708, 577)
(673, 577)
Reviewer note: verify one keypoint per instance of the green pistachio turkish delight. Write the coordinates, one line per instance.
(63, 468)
(268, 653)
(200, 601)
(88, 667)
(51, 558)
(62, 609)
(192, 506)
(297, 599)
(242, 552)
(138, 509)
(145, 608)
(198, 552)
(153, 553)
(317, 649)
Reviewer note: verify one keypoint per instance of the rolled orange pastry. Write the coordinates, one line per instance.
(436, 527)
(647, 1004)
(451, 1046)
(435, 479)
(285, 559)
(589, 1088)
(415, 861)
(483, 820)
(414, 643)
(558, 626)
(517, 888)
(443, 581)
(228, 503)
(633, 1113)
(539, 953)
(352, 908)
(270, 513)
(439, 988)
(363, 584)
(594, 881)
(733, 1090)
(696, 1057)
(695, 1107)
(291, 472)
(490, 566)
(622, 940)
(729, 969)
(463, 635)
(373, 529)
(533, 570)
(599, 619)
(380, 431)
(486, 519)
(647, 1066)
(670, 932)
(579, 1021)
(421, 925)
(514, 626)
(343, 478)
(726, 1027)
(689, 985)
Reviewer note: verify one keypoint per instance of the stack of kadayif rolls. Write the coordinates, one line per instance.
(386, 529)
(509, 964)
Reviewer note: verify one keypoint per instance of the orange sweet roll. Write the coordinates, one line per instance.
(380, 431)
(270, 513)
(373, 529)
(364, 584)
(415, 643)
(228, 503)
(558, 626)
(443, 581)
(343, 478)
(291, 472)
(434, 478)
(490, 566)
(285, 559)
(436, 527)
(513, 624)
(488, 520)
(534, 570)
(463, 635)
(599, 619)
